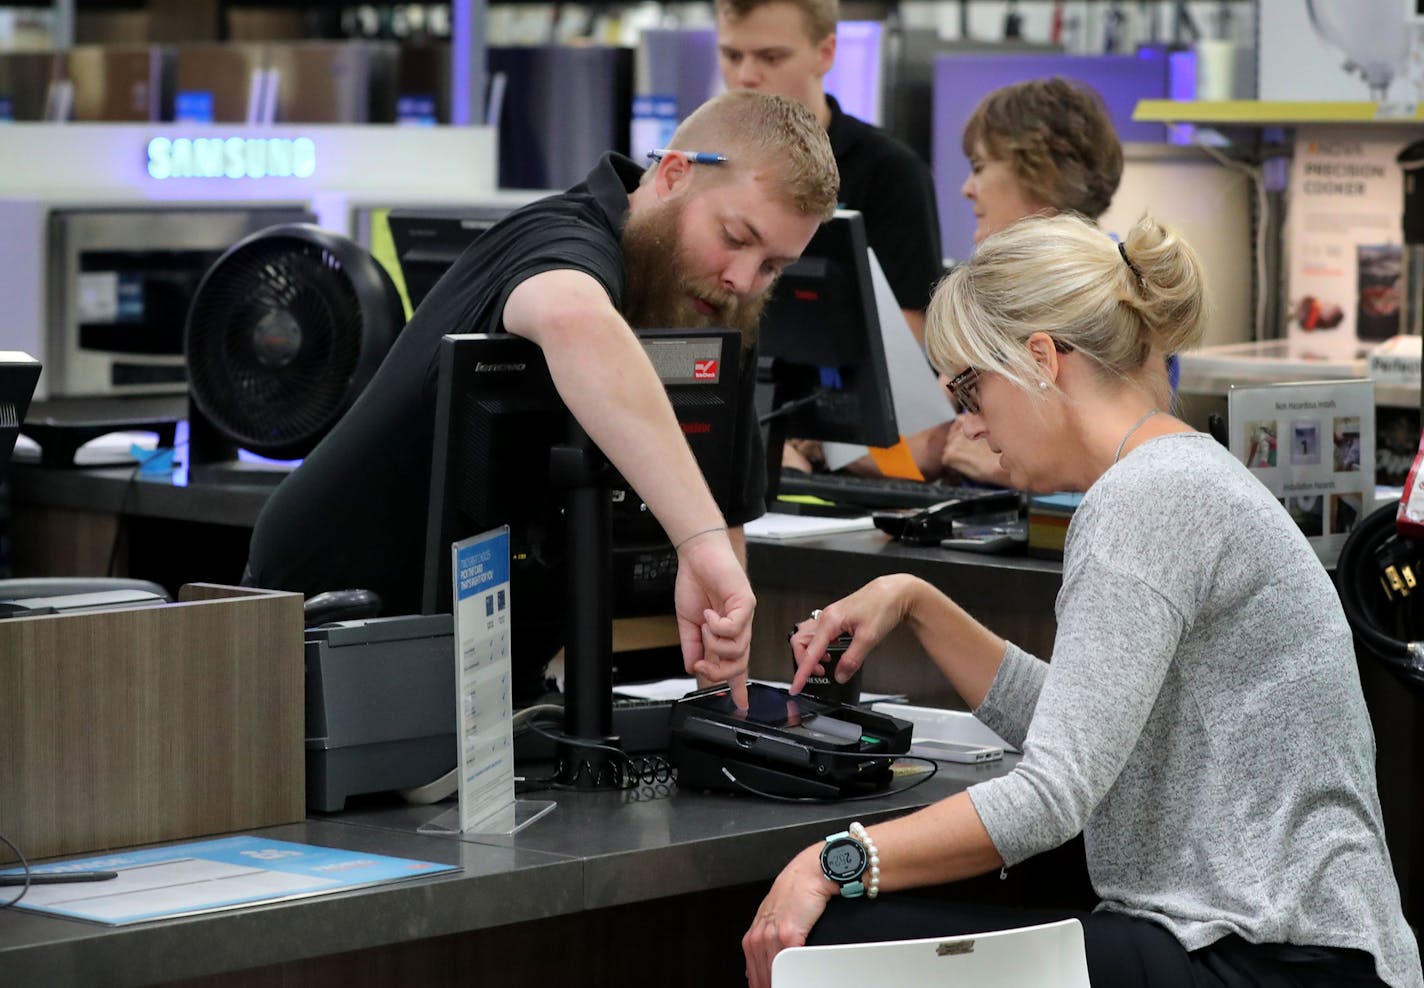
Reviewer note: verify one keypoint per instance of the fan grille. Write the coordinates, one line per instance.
(273, 342)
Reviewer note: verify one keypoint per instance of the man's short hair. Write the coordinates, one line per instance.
(820, 16)
(1057, 137)
(757, 129)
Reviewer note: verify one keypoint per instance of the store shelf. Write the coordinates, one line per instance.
(1265, 113)
(1214, 370)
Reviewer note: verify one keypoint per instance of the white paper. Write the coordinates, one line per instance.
(676, 689)
(774, 525)
(920, 403)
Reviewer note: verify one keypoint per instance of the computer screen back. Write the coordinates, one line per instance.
(428, 241)
(822, 335)
(19, 373)
(501, 456)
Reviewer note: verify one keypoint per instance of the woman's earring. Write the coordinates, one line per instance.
(1043, 385)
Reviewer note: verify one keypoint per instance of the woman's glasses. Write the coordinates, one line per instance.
(963, 388)
(963, 391)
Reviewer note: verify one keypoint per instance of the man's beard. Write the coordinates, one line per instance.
(660, 286)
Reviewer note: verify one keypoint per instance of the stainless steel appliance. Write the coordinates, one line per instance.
(120, 82)
(224, 72)
(25, 78)
(334, 81)
(563, 108)
(119, 284)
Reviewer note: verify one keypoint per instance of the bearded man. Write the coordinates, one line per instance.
(697, 240)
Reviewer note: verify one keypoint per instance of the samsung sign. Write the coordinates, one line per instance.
(232, 157)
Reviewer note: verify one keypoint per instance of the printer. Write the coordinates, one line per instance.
(380, 706)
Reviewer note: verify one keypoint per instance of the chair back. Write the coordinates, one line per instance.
(1048, 956)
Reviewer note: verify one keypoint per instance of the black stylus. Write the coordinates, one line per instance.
(58, 877)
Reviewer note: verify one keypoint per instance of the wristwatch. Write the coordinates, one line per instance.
(844, 861)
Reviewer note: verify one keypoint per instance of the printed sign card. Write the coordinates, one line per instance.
(1313, 446)
(484, 714)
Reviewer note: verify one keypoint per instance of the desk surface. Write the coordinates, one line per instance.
(593, 851)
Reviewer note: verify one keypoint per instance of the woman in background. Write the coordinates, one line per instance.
(1035, 148)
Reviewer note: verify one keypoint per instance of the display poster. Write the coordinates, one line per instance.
(1313, 446)
(482, 678)
(1344, 242)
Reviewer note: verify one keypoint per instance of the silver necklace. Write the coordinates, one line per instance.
(1118, 455)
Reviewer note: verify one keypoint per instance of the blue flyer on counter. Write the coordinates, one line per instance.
(184, 879)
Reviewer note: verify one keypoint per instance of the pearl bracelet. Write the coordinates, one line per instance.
(872, 886)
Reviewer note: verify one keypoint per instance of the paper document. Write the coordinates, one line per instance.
(778, 526)
(920, 403)
(676, 689)
(183, 879)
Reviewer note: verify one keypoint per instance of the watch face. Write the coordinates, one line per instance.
(843, 860)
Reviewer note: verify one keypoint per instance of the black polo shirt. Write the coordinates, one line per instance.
(892, 188)
(354, 514)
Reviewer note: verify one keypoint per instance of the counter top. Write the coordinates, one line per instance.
(593, 851)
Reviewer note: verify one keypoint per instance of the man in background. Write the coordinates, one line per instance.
(787, 47)
(695, 241)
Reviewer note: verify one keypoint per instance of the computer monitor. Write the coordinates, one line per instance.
(507, 452)
(821, 345)
(428, 241)
(19, 373)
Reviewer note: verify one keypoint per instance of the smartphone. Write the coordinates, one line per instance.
(955, 751)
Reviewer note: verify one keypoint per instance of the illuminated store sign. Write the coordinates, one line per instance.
(232, 157)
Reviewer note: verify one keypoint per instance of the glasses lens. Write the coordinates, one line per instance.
(963, 391)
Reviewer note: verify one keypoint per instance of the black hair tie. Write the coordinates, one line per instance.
(1122, 249)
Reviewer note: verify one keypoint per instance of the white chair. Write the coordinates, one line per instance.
(1048, 956)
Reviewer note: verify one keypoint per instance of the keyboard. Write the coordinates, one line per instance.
(893, 492)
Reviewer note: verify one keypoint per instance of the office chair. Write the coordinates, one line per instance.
(1048, 956)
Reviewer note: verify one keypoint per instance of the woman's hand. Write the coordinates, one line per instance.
(806, 455)
(785, 917)
(869, 614)
(971, 459)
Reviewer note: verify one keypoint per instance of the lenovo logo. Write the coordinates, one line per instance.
(482, 368)
(705, 370)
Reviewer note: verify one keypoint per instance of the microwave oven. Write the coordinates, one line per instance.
(120, 282)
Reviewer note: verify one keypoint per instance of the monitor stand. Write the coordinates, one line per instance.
(587, 754)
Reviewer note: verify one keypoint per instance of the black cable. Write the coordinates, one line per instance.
(25, 864)
(1355, 561)
(651, 770)
(782, 410)
(128, 491)
(934, 770)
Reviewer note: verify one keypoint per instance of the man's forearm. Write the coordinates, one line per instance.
(606, 380)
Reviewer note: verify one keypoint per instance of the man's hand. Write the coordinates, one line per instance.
(714, 604)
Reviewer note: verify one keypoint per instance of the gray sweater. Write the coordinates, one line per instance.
(1201, 721)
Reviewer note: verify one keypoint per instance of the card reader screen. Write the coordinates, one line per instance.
(775, 708)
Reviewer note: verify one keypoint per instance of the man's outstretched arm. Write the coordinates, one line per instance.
(609, 385)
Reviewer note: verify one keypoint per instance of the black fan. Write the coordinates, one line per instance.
(285, 329)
